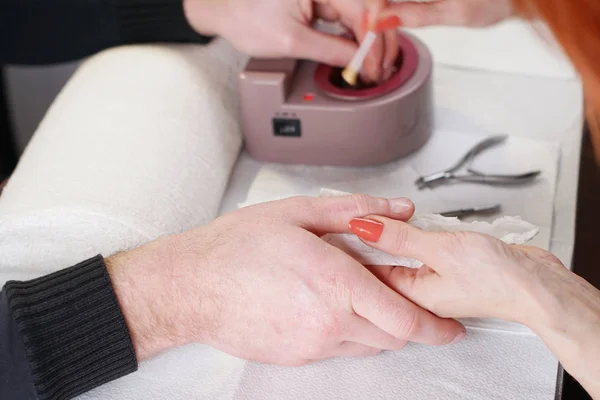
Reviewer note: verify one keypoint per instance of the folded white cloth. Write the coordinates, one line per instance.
(511, 230)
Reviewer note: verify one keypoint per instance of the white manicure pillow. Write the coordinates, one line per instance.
(511, 230)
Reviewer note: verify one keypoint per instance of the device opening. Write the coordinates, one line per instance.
(336, 79)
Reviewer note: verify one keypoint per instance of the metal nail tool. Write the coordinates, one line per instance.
(472, 175)
(467, 212)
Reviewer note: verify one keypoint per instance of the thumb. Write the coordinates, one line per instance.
(310, 44)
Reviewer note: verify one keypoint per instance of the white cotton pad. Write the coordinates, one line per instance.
(511, 230)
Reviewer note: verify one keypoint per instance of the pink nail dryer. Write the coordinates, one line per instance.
(300, 112)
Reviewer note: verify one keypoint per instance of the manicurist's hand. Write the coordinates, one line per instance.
(283, 28)
(260, 284)
(473, 275)
(471, 13)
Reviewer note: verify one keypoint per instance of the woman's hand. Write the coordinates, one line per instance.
(473, 275)
(284, 28)
(261, 284)
(465, 274)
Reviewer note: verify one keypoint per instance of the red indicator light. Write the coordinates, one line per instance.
(309, 96)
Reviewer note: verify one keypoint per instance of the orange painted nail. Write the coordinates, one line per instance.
(391, 22)
(366, 229)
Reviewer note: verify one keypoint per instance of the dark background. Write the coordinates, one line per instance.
(8, 157)
(585, 259)
(588, 208)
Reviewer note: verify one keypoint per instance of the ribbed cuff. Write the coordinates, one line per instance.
(156, 20)
(73, 329)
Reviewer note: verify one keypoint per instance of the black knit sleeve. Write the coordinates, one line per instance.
(51, 31)
(69, 328)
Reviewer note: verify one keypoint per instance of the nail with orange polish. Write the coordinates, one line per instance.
(391, 22)
(366, 229)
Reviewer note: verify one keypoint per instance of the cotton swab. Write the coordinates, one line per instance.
(350, 73)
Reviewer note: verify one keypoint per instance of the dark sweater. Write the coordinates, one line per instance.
(51, 31)
(64, 334)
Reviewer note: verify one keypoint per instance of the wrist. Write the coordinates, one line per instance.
(568, 321)
(148, 283)
(563, 307)
(206, 16)
(544, 292)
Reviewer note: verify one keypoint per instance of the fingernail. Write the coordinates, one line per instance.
(391, 22)
(459, 337)
(387, 70)
(366, 229)
(364, 25)
(387, 73)
(400, 205)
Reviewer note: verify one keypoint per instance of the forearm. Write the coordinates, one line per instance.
(43, 32)
(568, 321)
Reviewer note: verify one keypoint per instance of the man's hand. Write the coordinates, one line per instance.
(260, 284)
(283, 28)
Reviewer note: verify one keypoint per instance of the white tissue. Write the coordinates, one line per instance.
(511, 230)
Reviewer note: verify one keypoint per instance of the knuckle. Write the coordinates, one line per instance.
(325, 330)
(454, 241)
(398, 345)
(406, 324)
(291, 208)
(329, 328)
(288, 44)
(400, 238)
(445, 336)
(362, 203)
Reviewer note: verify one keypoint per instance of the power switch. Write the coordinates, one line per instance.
(286, 127)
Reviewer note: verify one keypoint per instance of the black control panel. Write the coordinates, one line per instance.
(289, 127)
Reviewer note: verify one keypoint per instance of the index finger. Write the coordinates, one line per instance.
(331, 214)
